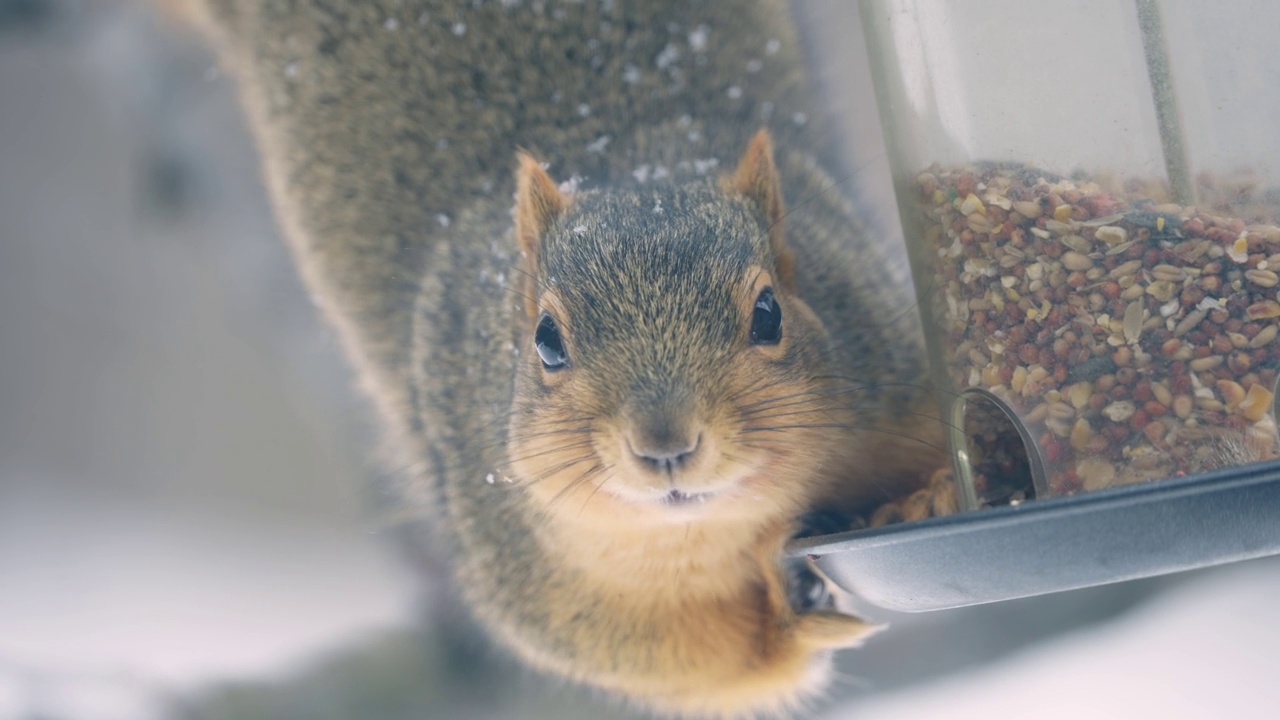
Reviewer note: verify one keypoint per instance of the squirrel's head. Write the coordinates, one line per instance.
(669, 369)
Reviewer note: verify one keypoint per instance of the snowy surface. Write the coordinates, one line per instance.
(127, 596)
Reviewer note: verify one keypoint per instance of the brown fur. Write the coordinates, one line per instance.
(388, 129)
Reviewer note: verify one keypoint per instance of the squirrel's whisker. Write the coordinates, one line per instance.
(890, 384)
(754, 386)
(585, 477)
(592, 494)
(524, 437)
(790, 413)
(516, 291)
(553, 471)
(842, 426)
(507, 464)
(802, 395)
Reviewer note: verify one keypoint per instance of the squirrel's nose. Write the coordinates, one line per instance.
(665, 455)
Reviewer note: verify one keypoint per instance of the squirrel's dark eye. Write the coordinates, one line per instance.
(550, 347)
(766, 319)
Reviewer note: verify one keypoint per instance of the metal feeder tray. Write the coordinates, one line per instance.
(1055, 544)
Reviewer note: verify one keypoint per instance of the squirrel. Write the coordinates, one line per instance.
(623, 391)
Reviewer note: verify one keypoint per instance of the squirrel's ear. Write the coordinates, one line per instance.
(756, 179)
(538, 203)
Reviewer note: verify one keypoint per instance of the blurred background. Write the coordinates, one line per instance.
(186, 473)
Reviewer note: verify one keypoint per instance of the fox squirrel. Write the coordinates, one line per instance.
(622, 396)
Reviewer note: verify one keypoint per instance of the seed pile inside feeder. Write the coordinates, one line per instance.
(1135, 337)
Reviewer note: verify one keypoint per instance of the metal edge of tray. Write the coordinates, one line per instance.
(1056, 544)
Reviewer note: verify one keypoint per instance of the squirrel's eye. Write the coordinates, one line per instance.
(550, 347)
(766, 319)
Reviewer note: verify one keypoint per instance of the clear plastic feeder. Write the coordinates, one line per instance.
(1089, 195)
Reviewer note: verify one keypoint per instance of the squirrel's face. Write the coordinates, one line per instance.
(671, 372)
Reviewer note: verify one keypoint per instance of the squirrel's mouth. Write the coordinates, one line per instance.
(678, 498)
(681, 502)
